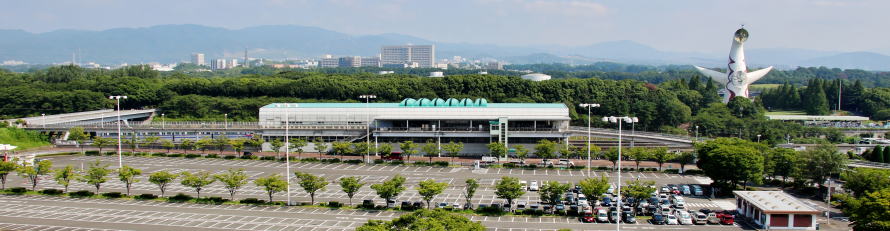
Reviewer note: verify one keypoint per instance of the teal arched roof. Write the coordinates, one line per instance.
(439, 102)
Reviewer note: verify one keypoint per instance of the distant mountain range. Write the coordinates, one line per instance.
(174, 43)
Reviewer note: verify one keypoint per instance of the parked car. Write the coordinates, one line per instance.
(390, 203)
(665, 209)
(570, 198)
(685, 190)
(607, 201)
(535, 207)
(614, 216)
(658, 219)
(524, 184)
(699, 218)
(726, 218)
(611, 189)
(629, 217)
(665, 190)
(406, 205)
(587, 216)
(533, 186)
(455, 205)
(368, 204)
(520, 206)
(417, 204)
(602, 216)
(697, 190)
(672, 220)
(683, 217)
(713, 219)
(442, 205)
(560, 208)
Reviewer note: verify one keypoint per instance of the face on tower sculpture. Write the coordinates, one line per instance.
(737, 78)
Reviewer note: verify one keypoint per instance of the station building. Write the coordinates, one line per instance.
(475, 122)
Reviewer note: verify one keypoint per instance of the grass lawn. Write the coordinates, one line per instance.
(22, 138)
(786, 113)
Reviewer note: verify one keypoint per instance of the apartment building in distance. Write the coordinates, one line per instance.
(198, 59)
(423, 55)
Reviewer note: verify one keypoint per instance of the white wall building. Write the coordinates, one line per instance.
(423, 55)
(198, 59)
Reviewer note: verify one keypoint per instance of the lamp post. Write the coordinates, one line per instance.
(117, 98)
(588, 106)
(43, 117)
(368, 125)
(226, 121)
(696, 133)
(619, 121)
(287, 107)
(163, 122)
(758, 138)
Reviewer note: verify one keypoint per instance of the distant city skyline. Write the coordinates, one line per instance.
(687, 26)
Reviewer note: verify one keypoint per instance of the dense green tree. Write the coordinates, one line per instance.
(197, 181)
(593, 187)
(821, 162)
(272, 184)
(428, 189)
(187, 144)
(685, 158)
(552, 191)
(350, 186)
(496, 149)
(6, 167)
(640, 189)
(612, 156)
(276, 146)
(96, 175)
(390, 189)
(544, 149)
(100, 142)
(869, 212)
(232, 180)
(237, 145)
(221, 142)
(470, 190)
(64, 176)
(34, 172)
(453, 149)
(296, 144)
(638, 154)
(162, 179)
(729, 161)
(661, 155)
(167, 144)
(310, 183)
(78, 135)
(864, 180)
(409, 148)
(430, 149)
(508, 188)
(127, 175)
(521, 152)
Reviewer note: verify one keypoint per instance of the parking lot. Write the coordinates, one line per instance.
(74, 211)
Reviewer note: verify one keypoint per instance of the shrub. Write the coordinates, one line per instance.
(81, 193)
(331, 161)
(51, 191)
(251, 201)
(310, 159)
(509, 165)
(142, 154)
(181, 155)
(191, 156)
(353, 161)
(211, 200)
(127, 153)
(694, 172)
(674, 171)
(146, 196)
(335, 204)
(267, 158)
(112, 195)
(91, 153)
(209, 155)
(397, 162)
(17, 190)
(441, 163)
(112, 153)
(180, 197)
(602, 168)
(531, 166)
(159, 154)
(378, 161)
(229, 157)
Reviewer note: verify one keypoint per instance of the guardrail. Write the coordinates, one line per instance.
(180, 125)
(635, 133)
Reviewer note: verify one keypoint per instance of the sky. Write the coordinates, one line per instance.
(676, 25)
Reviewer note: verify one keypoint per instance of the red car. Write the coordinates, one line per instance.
(587, 217)
(725, 218)
(393, 156)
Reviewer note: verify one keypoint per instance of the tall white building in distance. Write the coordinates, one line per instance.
(198, 59)
(423, 55)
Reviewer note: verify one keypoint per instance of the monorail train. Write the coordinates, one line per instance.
(178, 136)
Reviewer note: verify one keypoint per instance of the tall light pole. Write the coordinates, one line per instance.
(120, 158)
(758, 138)
(226, 121)
(696, 133)
(368, 125)
(619, 121)
(287, 107)
(163, 122)
(588, 106)
(43, 117)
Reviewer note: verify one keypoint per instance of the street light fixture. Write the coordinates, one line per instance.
(287, 107)
(120, 158)
(43, 116)
(368, 125)
(163, 121)
(758, 138)
(226, 121)
(619, 121)
(588, 106)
